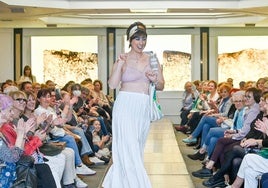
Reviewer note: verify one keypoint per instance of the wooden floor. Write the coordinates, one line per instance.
(163, 159)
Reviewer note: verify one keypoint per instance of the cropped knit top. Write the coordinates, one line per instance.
(131, 74)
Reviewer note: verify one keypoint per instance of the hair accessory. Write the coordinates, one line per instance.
(134, 30)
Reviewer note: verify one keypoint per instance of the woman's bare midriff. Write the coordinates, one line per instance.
(137, 87)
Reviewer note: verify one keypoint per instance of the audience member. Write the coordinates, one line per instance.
(233, 121)
(242, 85)
(27, 75)
(12, 141)
(189, 95)
(213, 117)
(26, 86)
(227, 148)
(57, 132)
(36, 87)
(254, 165)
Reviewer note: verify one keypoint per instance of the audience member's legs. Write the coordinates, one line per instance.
(221, 144)
(211, 139)
(69, 173)
(183, 115)
(195, 119)
(56, 164)
(235, 167)
(86, 149)
(251, 166)
(264, 180)
(205, 131)
(198, 130)
(70, 142)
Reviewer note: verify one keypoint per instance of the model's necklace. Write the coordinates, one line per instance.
(138, 58)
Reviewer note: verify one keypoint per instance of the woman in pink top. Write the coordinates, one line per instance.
(131, 120)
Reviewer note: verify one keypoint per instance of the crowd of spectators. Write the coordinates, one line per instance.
(65, 130)
(229, 131)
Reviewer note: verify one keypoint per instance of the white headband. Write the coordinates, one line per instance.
(134, 29)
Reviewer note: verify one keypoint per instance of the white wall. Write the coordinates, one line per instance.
(171, 103)
(6, 55)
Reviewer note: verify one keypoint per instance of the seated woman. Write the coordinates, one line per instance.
(208, 101)
(62, 165)
(234, 121)
(238, 149)
(12, 141)
(99, 141)
(253, 165)
(213, 117)
(198, 106)
(102, 100)
(57, 132)
(189, 95)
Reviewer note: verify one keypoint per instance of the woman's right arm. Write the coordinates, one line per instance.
(116, 74)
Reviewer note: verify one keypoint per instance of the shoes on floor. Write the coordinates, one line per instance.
(211, 182)
(97, 161)
(181, 128)
(192, 144)
(84, 170)
(69, 186)
(105, 159)
(86, 161)
(79, 183)
(204, 162)
(197, 156)
(197, 146)
(189, 140)
(203, 173)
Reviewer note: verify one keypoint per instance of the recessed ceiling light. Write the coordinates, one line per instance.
(148, 10)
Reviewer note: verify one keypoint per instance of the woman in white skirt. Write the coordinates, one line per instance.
(131, 121)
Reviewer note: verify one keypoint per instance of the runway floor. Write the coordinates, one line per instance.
(163, 159)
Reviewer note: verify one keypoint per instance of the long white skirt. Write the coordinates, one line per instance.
(130, 125)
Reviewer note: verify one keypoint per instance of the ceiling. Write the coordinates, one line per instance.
(153, 13)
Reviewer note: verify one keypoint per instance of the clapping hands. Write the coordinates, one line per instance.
(24, 127)
(262, 125)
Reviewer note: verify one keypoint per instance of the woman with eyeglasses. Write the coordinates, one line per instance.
(12, 138)
(234, 120)
(226, 148)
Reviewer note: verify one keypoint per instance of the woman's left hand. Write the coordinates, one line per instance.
(151, 75)
(248, 142)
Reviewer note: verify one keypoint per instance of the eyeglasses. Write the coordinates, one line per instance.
(247, 96)
(238, 101)
(21, 100)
